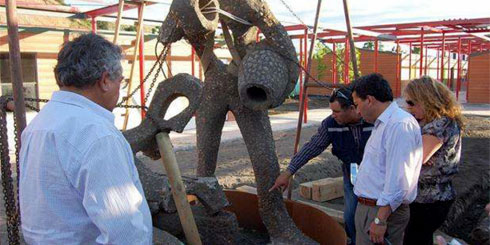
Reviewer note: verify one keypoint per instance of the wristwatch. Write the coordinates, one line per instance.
(377, 221)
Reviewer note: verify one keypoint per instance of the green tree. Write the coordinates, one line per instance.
(370, 45)
(321, 50)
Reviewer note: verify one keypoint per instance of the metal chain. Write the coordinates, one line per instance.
(162, 56)
(13, 218)
(160, 62)
(17, 151)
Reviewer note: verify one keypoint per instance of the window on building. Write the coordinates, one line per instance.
(29, 75)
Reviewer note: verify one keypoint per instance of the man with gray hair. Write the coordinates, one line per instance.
(78, 181)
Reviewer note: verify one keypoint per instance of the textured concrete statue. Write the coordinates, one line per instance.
(260, 76)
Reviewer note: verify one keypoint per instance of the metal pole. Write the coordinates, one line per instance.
(442, 55)
(426, 60)
(136, 47)
(346, 62)
(300, 71)
(118, 21)
(334, 64)
(307, 62)
(410, 61)
(458, 84)
(468, 71)
(18, 91)
(298, 129)
(94, 25)
(376, 48)
(351, 39)
(421, 52)
(449, 66)
(16, 66)
(437, 67)
(398, 69)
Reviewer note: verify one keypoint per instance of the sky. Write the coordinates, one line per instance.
(362, 12)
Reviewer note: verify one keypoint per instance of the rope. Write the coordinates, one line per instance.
(212, 10)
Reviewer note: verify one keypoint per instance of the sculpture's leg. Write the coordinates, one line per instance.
(210, 119)
(257, 134)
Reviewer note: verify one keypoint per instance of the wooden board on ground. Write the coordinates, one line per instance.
(305, 190)
(337, 215)
(323, 189)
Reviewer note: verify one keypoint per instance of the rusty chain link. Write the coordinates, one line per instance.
(11, 208)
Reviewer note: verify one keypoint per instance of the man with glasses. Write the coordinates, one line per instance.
(78, 180)
(348, 134)
(388, 175)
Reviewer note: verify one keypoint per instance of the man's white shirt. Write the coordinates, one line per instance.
(78, 181)
(392, 159)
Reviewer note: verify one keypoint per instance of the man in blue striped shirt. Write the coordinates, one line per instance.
(348, 134)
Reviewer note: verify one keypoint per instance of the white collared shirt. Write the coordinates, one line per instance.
(392, 159)
(78, 181)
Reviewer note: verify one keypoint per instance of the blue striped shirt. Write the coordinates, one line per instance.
(347, 141)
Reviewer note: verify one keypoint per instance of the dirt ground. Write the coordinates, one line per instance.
(234, 168)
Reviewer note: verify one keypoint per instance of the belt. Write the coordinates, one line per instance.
(367, 201)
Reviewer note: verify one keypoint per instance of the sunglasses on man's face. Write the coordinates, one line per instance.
(337, 93)
(409, 102)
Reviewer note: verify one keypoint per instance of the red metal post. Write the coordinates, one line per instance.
(142, 73)
(300, 70)
(398, 70)
(421, 51)
(346, 62)
(305, 47)
(442, 55)
(94, 25)
(426, 60)
(310, 56)
(410, 61)
(468, 70)
(376, 47)
(458, 84)
(305, 115)
(334, 64)
(449, 67)
(437, 67)
(193, 60)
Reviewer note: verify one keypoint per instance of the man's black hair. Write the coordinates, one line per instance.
(344, 103)
(375, 85)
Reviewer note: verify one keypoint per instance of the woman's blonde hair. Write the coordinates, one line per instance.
(436, 99)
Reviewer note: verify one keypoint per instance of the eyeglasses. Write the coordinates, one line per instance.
(409, 102)
(337, 93)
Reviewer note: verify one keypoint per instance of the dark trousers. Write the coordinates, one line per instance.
(425, 218)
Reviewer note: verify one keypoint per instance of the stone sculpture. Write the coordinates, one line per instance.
(260, 76)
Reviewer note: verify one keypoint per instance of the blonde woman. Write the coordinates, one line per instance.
(439, 116)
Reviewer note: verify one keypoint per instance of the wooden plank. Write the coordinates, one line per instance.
(253, 190)
(305, 190)
(337, 215)
(327, 189)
